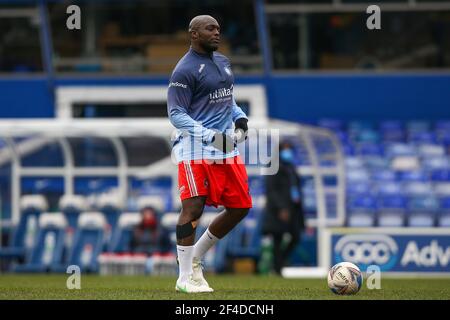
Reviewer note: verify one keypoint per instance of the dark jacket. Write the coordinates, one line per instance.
(278, 194)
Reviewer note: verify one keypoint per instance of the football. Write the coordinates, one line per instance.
(345, 278)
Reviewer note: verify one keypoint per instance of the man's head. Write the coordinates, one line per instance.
(205, 33)
(287, 152)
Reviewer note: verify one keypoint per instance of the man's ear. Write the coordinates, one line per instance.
(194, 35)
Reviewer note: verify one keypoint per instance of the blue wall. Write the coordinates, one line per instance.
(299, 97)
(365, 97)
(26, 98)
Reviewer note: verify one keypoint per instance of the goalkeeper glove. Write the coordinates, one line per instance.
(241, 129)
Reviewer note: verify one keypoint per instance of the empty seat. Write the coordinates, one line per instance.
(440, 175)
(391, 211)
(422, 211)
(88, 241)
(121, 239)
(431, 150)
(369, 149)
(332, 124)
(443, 219)
(25, 232)
(412, 176)
(72, 206)
(48, 250)
(111, 205)
(361, 210)
(385, 175)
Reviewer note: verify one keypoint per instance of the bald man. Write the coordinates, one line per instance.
(201, 106)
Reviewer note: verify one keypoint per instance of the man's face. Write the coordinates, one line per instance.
(208, 35)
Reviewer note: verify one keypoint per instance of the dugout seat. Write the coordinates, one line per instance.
(49, 247)
(88, 242)
(25, 232)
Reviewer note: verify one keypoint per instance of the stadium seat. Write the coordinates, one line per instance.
(72, 206)
(49, 247)
(422, 211)
(391, 211)
(369, 149)
(111, 205)
(121, 239)
(392, 131)
(435, 162)
(440, 175)
(361, 211)
(383, 175)
(156, 202)
(431, 150)
(332, 124)
(245, 238)
(444, 215)
(400, 150)
(424, 137)
(25, 232)
(88, 242)
(412, 176)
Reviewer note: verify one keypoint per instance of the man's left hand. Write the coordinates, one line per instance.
(241, 129)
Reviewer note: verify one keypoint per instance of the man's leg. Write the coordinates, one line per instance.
(277, 252)
(192, 209)
(219, 227)
(293, 242)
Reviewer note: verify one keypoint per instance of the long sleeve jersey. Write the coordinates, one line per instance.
(200, 102)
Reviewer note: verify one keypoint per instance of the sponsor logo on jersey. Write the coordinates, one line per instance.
(221, 93)
(177, 84)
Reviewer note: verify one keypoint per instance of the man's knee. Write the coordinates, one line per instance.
(193, 207)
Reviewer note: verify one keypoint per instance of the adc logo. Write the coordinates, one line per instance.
(365, 250)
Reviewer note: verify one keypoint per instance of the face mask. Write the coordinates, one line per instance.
(287, 155)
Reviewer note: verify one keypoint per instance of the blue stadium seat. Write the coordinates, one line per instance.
(384, 175)
(433, 162)
(418, 126)
(376, 163)
(440, 175)
(361, 210)
(169, 221)
(400, 150)
(389, 188)
(392, 131)
(391, 210)
(369, 149)
(245, 238)
(423, 137)
(121, 239)
(358, 188)
(357, 175)
(25, 232)
(422, 211)
(417, 189)
(444, 215)
(111, 205)
(88, 242)
(48, 250)
(72, 206)
(332, 124)
(412, 176)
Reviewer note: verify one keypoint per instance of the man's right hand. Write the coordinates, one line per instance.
(223, 142)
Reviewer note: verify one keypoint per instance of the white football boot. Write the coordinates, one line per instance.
(197, 273)
(191, 286)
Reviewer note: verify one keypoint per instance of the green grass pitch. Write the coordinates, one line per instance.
(233, 287)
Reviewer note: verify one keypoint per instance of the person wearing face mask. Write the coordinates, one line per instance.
(149, 236)
(284, 210)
